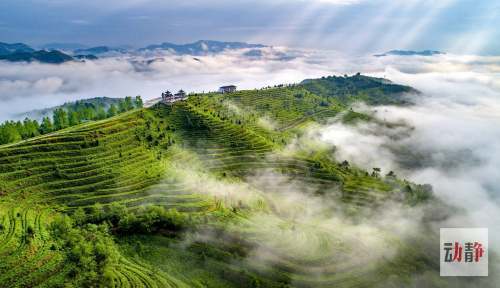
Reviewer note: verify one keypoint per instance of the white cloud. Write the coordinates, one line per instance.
(455, 138)
(24, 87)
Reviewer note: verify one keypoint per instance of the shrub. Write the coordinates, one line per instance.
(90, 249)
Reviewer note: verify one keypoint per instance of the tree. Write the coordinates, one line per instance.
(122, 106)
(138, 102)
(46, 126)
(20, 129)
(100, 112)
(90, 113)
(74, 118)
(9, 133)
(79, 216)
(31, 128)
(60, 119)
(129, 105)
(345, 164)
(112, 111)
(125, 105)
(376, 172)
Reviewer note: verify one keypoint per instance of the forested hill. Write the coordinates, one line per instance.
(38, 114)
(374, 91)
(221, 190)
(64, 116)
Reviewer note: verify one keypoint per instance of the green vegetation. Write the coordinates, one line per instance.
(63, 117)
(200, 194)
(374, 91)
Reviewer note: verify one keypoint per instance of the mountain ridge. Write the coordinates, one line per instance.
(201, 47)
(196, 48)
(410, 53)
(49, 57)
(6, 48)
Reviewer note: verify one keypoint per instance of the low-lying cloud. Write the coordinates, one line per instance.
(449, 139)
(28, 86)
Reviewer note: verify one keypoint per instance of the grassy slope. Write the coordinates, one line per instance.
(149, 156)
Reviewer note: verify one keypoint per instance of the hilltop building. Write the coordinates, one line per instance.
(169, 98)
(227, 89)
(181, 95)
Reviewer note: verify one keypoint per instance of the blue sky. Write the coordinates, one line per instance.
(351, 26)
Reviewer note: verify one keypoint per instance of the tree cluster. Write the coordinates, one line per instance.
(89, 249)
(145, 220)
(70, 115)
(87, 237)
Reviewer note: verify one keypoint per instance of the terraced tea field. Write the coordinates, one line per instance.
(239, 204)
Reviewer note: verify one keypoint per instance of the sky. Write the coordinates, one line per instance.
(349, 26)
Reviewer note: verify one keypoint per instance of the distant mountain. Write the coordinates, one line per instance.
(80, 51)
(6, 48)
(63, 46)
(202, 47)
(86, 57)
(100, 50)
(51, 57)
(254, 53)
(410, 53)
(47, 112)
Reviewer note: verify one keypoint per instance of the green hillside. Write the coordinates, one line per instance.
(216, 191)
(373, 91)
(38, 114)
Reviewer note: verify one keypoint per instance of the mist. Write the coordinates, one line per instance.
(449, 139)
(285, 218)
(28, 86)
